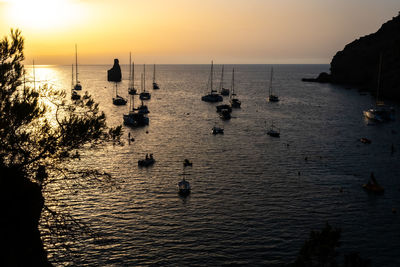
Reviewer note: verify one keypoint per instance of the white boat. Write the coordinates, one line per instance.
(184, 188)
(78, 85)
(380, 112)
(155, 85)
(271, 96)
(223, 91)
(144, 95)
(213, 96)
(131, 87)
(273, 131)
(217, 130)
(235, 102)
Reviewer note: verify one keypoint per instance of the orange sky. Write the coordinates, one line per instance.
(191, 31)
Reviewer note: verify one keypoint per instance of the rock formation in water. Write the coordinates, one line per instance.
(114, 74)
(358, 63)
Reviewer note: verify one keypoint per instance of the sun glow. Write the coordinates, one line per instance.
(42, 14)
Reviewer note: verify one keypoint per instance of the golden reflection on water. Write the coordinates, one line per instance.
(46, 78)
(43, 74)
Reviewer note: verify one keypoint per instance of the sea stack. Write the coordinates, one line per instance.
(358, 63)
(114, 74)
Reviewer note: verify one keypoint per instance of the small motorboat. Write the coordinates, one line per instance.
(145, 96)
(75, 95)
(217, 130)
(225, 91)
(220, 108)
(184, 187)
(119, 100)
(225, 114)
(187, 163)
(235, 103)
(148, 161)
(132, 91)
(365, 140)
(372, 186)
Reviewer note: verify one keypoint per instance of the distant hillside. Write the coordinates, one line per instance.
(358, 63)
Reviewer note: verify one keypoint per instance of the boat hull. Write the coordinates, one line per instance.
(145, 96)
(212, 98)
(135, 119)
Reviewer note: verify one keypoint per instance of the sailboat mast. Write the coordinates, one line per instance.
(270, 81)
(141, 82)
(34, 76)
(76, 62)
(221, 84)
(130, 68)
(233, 82)
(72, 76)
(144, 77)
(133, 74)
(154, 73)
(212, 71)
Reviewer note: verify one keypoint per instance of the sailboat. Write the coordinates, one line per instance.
(142, 108)
(273, 131)
(272, 97)
(223, 91)
(380, 112)
(235, 102)
(78, 85)
(131, 86)
(155, 85)
(74, 93)
(144, 95)
(213, 96)
(118, 100)
(184, 186)
(135, 117)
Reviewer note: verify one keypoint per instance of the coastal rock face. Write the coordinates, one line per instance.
(21, 203)
(114, 74)
(358, 63)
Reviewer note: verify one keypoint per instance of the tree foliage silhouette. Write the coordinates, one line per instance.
(42, 132)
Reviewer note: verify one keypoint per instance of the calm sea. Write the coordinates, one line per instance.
(254, 198)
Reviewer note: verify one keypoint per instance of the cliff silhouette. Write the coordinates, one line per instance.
(358, 63)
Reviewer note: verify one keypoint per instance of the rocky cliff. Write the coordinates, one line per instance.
(358, 63)
(21, 204)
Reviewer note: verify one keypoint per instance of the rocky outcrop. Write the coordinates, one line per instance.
(114, 74)
(21, 203)
(358, 63)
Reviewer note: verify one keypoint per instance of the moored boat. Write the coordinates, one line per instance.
(213, 96)
(184, 187)
(148, 161)
(272, 97)
(273, 131)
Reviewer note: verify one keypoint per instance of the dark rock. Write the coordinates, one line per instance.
(323, 77)
(357, 64)
(114, 74)
(21, 204)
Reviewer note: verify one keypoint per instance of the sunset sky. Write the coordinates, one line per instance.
(191, 31)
